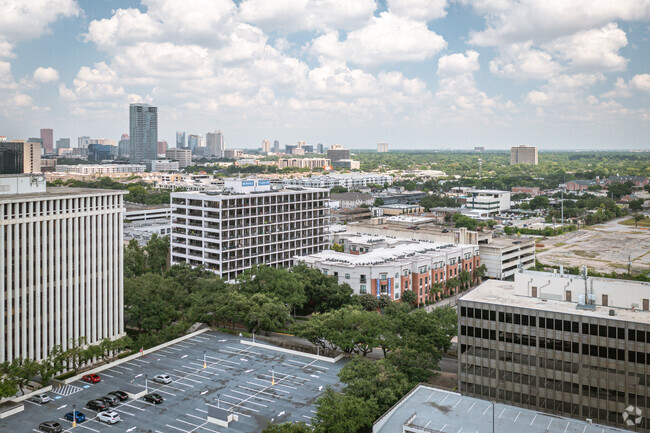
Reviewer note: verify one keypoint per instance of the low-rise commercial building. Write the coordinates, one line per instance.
(531, 190)
(93, 169)
(387, 267)
(400, 209)
(303, 163)
(488, 200)
(162, 165)
(570, 345)
(350, 200)
(347, 164)
(579, 185)
(426, 409)
(502, 256)
(183, 156)
(348, 180)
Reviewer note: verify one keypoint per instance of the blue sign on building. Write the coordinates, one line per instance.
(264, 182)
(248, 183)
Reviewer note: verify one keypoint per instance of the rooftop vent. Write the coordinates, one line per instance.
(612, 312)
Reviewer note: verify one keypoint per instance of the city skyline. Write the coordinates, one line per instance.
(415, 74)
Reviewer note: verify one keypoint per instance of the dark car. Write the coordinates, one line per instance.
(97, 405)
(50, 427)
(110, 400)
(153, 397)
(78, 416)
(91, 378)
(119, 394)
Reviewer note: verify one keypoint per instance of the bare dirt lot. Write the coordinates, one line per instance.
(603, 248)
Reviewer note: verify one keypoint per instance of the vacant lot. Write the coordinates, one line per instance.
(604, 248)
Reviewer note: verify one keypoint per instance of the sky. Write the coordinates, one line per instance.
(418, 74)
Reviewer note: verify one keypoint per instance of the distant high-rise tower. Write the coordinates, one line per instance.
(47, 135)
(162, 147)
(63, 143)
(192, 142)
(523, 155)
(143, 130)
(266, 146)
(83, 142)
(180, 139)
(215, 143)
(382, 147)
(276, 146)
(320, 148)
(123, 146)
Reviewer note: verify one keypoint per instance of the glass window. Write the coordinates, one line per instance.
(347, 276)
(362, 289)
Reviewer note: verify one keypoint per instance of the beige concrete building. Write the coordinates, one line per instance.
(523, 155)
(303, 162)
(503, 256)
(61, 266)
(183, 156)
(562, 344)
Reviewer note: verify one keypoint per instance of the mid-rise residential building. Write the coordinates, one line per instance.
(266, 145)
(47, 137)
(488, 200)
(61, 266)
(247, 224)
(347, 180)
(378, 265)
(637, 181)
(570, 345)
(161, 147)
(143, 132)
(523, 155)
(303, 162)
(426, 409)
(502, 257)
(183, 156)
(350, 200)
(232, 153)
(83, 142)
(102, 168)
(162, 165)
(382, 147)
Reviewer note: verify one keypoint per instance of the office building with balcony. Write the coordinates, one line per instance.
(246, 224)
(569, 345)
(61, 266)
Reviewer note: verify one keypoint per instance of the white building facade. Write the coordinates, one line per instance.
(102, 168)
(61, 268)
(247, 224)
(183, 156)
(349, 180)
(488, 200)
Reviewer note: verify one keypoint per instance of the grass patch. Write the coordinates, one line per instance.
(559, 244)
(630, 222)
(584, 254)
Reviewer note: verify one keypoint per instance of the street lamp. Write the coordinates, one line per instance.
(273, 375)
(204, 363)
(146, 383)
(74, 415)
(493, 404)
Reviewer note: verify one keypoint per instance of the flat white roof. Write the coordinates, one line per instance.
(503, 293)
(388, 254)
(438, 410)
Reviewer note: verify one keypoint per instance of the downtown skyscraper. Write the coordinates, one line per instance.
(143, 132)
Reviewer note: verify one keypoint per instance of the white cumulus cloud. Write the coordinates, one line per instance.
(420, 10)
(458, 63)
(46, 75)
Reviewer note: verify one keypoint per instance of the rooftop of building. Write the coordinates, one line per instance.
(401, 206)
(130, 207)
(351, 196)
(503, 293)
(507, 242)
(434, 410)
(393, 253)
(56, 192)
(489, 191)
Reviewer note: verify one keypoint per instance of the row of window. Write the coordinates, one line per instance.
(557, 324)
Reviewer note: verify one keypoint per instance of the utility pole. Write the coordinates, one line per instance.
(562, 206)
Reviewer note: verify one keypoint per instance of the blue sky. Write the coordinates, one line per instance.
(418, 74)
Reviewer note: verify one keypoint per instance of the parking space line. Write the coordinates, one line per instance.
(209, 366)
(80, 425)
(286, 386)
(195, 374)
(122, 366)
(165, 350)
(254, 395)
(175, 349)
(178, 382)
(191, 380)
(223, 360)
(106, 374)
(141, 360)
(179, 429)
(194, 416)
(257, 384)
(234, 411)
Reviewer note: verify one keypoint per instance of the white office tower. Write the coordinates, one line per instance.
(245, 224)
(266, 146)
(215, 144)
(60, 266)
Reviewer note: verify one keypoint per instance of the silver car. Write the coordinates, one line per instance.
(41, 398)
(163, 378)
(110, 417)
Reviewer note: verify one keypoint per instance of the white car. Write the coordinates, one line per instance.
(41, 398)
(109, 417)
(163, 378)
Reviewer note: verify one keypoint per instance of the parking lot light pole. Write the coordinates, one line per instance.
(74, 415)
(146, 383)
(272, 375)
(204, 363)
(493, 403)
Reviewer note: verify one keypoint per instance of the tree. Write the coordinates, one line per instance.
(378, 202)
(638, 217)
(479, 273)
(464, 279)
(22, 371)
(323, 292)
(275, 282)
(135, 262)
(342, 413)
(338, 190)
(157, 254)
(409, 297)
(461, 220)
(267, 314)
(287, 427)
(539, 202)
(368, 302)
(152, 302)
(636, 205)
(337, 247)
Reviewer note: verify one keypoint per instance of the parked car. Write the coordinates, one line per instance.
(50, 427)
(120, 395)
(110, 400)
(163, 378)
(78, 416)
(153, 397)
(111, 417)
(41, 398)
(97, 405)
(91, 378)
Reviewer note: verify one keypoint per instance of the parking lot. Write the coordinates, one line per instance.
(257, 384)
